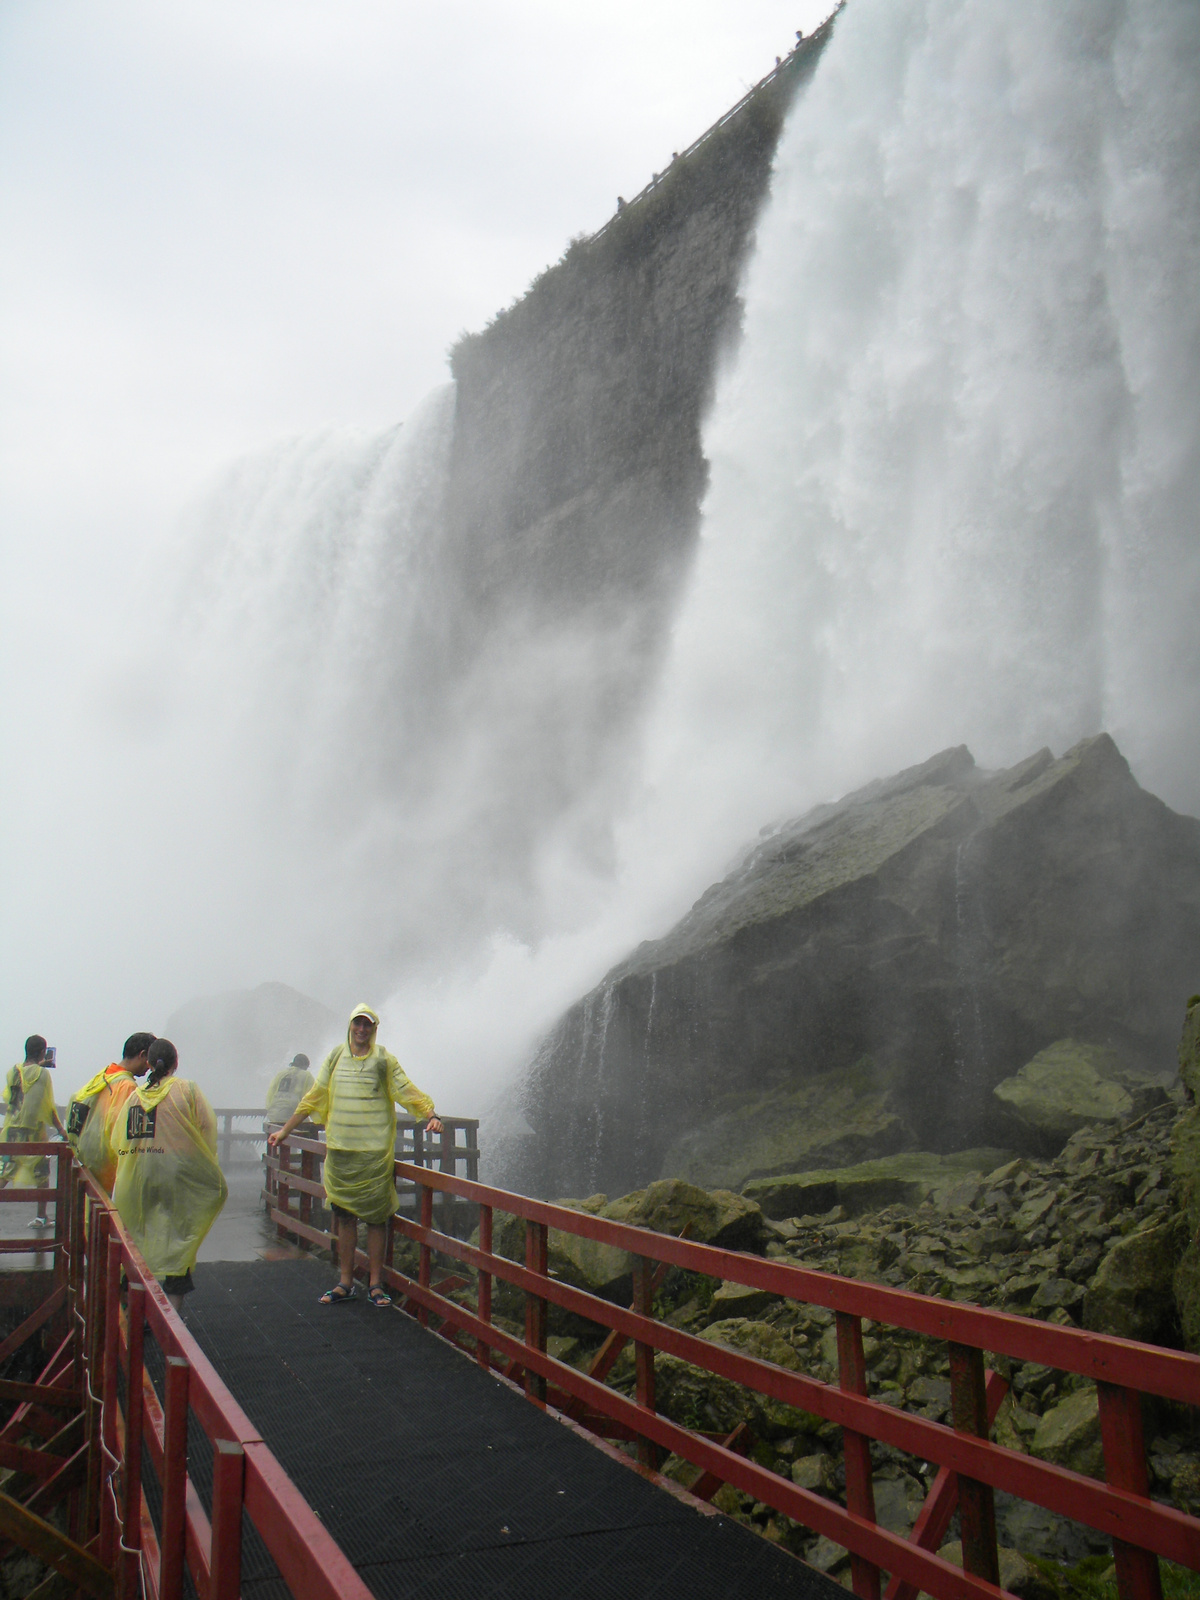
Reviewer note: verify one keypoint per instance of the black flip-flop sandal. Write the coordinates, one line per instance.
(337, 1296)
(378, 1296)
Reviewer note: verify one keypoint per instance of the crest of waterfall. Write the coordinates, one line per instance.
(955, 469)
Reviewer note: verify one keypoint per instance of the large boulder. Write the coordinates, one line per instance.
(719, 1218)
(1185, 1177)
(945, 924)
(1065, 1087)
(833, 1121)
(1189, 1050)
(1132, 1294)
(904, 1179)
(234, 1043)
(1069, 1434)
(698, 1399)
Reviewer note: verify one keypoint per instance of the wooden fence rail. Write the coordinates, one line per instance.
(972, 1467)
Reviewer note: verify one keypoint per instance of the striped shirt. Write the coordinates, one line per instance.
(356, 1096)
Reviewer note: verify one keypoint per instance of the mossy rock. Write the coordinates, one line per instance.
(1065, 1087)
(833, 1120)
(1189, 1049)
(1185, 1178)
(907, 1178)
(1069, 1434)
(699, 1399)
(718, 1216)
(1132, 1294)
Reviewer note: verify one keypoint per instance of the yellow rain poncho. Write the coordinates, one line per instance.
(285, 1092)
(27, 1122)
(87, 1121)
(169, 1189)
(355, 1097)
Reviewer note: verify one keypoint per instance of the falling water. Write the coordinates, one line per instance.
(956, 467)
(955, 472)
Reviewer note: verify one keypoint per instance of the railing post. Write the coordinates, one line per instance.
(1138, 1576)
(130, 1569)
(976, 1505)
(94, 1334)
(110, 1360)
(227, 1139)
(62, 1214)
(283, 1200)
(536, 1260)
(425, 1253)
(643, 1303)
(860, 1488)
(308, 1168)
(174, 1481)
(484, 1304)
(471, 1136)
(446, 1164)
(229, 1477)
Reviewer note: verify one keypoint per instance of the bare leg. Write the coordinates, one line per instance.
(176, 1302)
(376, 1235)
(347, 1244)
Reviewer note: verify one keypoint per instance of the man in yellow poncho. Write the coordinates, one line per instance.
(355, 1096)
(169, 1187)
(87, 1109)
(29, 1108)
(286, 1089)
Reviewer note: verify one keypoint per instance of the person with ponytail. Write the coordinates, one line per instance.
(169, 1187)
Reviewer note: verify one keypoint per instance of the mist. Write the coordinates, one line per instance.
(954, 469)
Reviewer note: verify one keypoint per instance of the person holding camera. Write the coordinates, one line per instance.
(30, 1109)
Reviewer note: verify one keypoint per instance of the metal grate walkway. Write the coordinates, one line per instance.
(437, 1479)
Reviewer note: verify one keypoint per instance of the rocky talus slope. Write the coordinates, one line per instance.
(1091, 1238)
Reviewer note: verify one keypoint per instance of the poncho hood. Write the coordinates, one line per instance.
(150, 1095)
(362, 1011)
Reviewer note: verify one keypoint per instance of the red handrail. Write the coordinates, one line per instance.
(94, 1252)
(1141, 1528)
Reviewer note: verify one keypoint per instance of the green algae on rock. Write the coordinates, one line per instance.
(907, 1178)
(1063, 1088)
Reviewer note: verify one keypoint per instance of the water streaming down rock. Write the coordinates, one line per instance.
(956, 468)
(955, 473)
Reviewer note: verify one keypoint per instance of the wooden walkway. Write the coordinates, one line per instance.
(437, 1478)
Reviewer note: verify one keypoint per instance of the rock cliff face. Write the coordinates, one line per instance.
(234, 1043)
(906, 949)
(573, 491)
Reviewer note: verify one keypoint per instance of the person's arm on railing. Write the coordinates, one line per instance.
(296, 1118)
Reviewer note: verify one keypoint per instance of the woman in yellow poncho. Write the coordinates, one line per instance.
(88, 1108)
(169, 1188)
(355, 1096)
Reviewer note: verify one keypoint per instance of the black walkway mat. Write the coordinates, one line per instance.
(438, 1480)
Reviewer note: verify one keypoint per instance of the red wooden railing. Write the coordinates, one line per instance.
(105, 1300)
(971, 1466)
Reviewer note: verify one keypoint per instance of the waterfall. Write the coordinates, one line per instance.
(956, 465)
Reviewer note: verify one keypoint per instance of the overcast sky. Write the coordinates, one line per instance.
(228, 221)
(234, 219)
